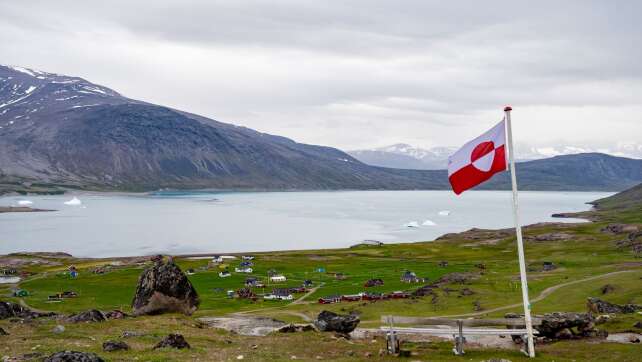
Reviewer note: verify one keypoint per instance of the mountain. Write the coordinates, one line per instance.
(402, 155)
(68, 132)
(581, 172)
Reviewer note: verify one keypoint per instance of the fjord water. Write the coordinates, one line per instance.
(201, 222)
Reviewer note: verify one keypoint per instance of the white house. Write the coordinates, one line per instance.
(217, 259)
(224, 274)
(278, 278)
(243, 270)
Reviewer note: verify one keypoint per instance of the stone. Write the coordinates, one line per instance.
(111, 346)
(466, 292)
(164, 288)
(634, 339)
(73, 356)
(638, 325)
(602, 318)
(564, 334)
(331, 322)
(606, 289)
(58, 329)
(92, 315)
(116, 314)
(292, 328)
(3, 332)
(477, 306)
(130, 334)
(173, 341)
(596, 305)
(424, 291)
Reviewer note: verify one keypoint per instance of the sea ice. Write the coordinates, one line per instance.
(25, 202)
(444, 213)
(73, 202)
(428, 223)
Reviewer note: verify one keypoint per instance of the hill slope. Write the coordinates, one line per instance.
(63, 130)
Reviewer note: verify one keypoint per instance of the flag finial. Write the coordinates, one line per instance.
(508, 108)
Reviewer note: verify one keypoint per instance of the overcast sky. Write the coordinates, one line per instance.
(356, 74)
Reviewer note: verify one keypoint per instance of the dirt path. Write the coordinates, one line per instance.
(545, 293)
(300, 300)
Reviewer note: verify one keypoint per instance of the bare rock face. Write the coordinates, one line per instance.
(173, 341)
(332, 322)
(596, 305)
(164, 288)
(92, 315)
(73, 356)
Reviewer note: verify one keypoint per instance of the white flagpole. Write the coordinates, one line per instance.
(520, 243)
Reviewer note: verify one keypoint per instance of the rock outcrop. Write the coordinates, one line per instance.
(619, 228)
(92, 315)
(164, 288)
(15, 310)
(331, 322)
(173, 341)
(597, 305)
(558, 325)
(73, 356)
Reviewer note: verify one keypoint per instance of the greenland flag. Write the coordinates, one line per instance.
(478, 160)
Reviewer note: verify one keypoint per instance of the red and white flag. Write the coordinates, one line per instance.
(478, 160)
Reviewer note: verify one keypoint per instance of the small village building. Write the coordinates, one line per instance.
(340, 276)
(330, 299)
(373, 283)
(224, 274)
(243, 270)
(351, 297)
(247, 257)
(307, 283)
(410, 277)
(246, 263)
(279, 294)
(278, 278)
(217, 259)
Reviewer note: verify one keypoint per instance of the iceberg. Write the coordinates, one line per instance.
(428, 223)
(25, 202)
(412, 224)
(73, 202)
(444, 213)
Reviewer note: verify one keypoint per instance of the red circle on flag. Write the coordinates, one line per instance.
(482, 150)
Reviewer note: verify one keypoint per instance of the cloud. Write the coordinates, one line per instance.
(355, 74)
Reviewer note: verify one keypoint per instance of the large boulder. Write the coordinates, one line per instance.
(73, 356)
(173, 341)
(560, 325)
(164, 288)
(597, 305)
(111, 346)
(331, 322)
